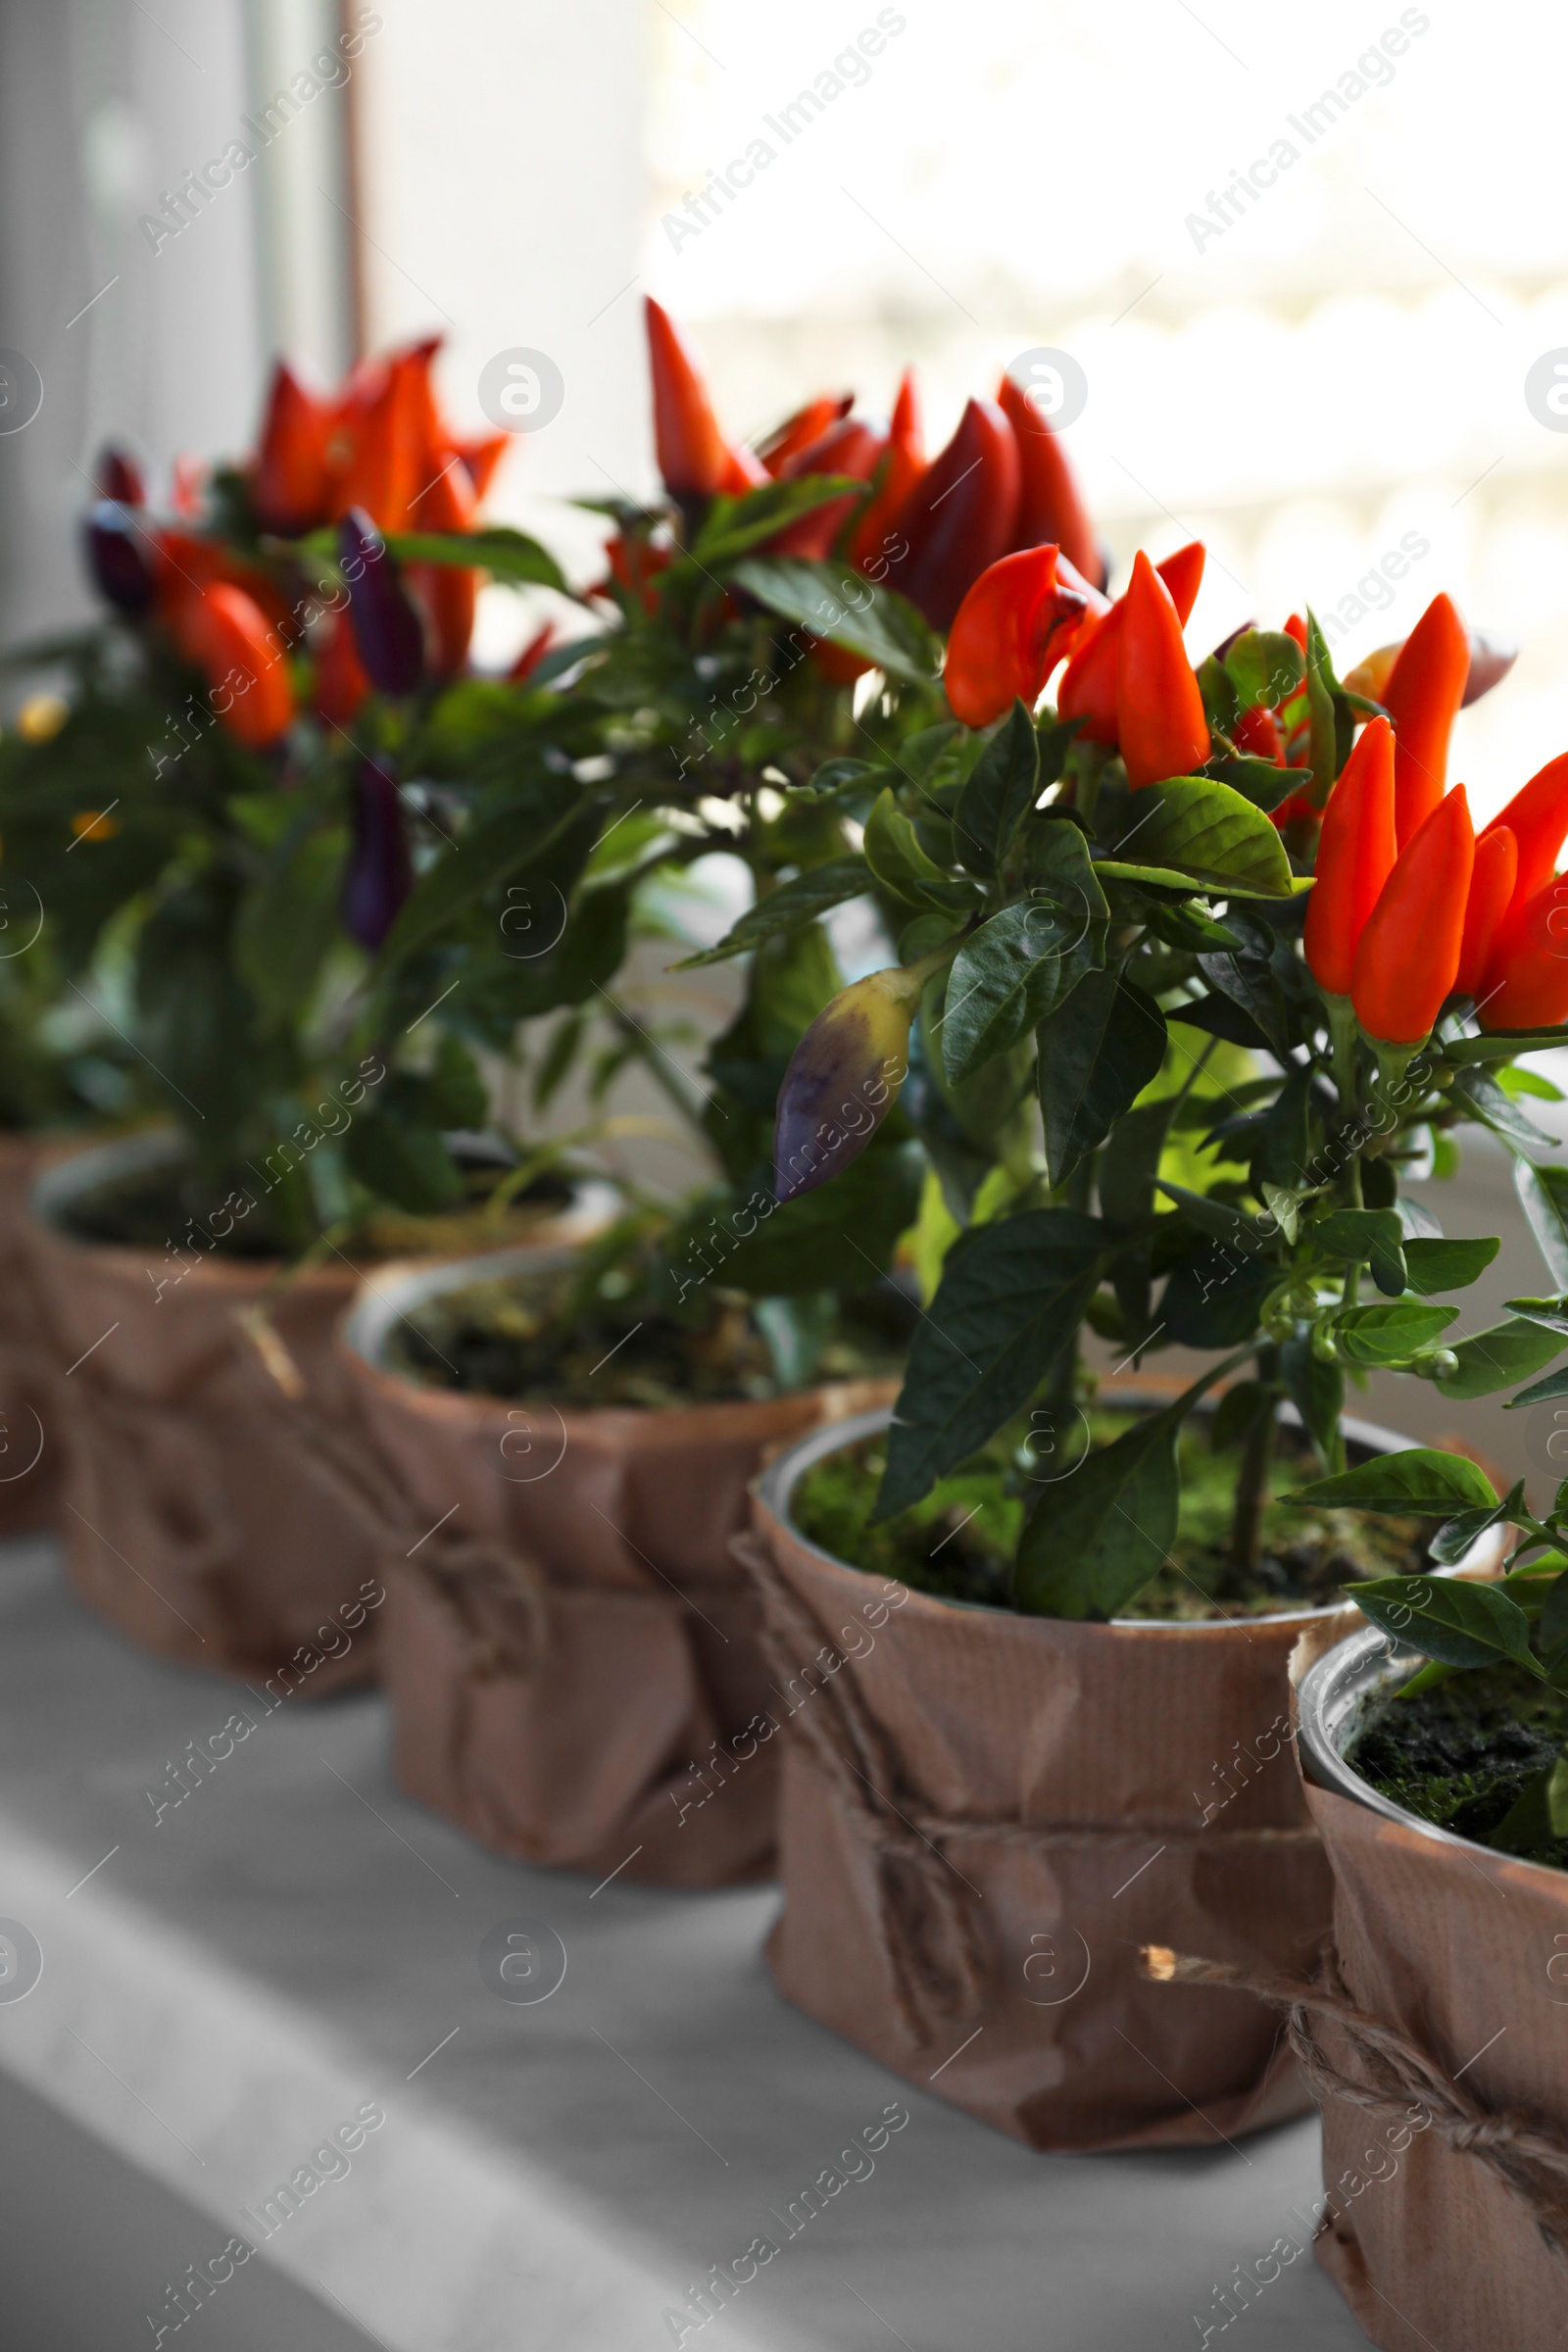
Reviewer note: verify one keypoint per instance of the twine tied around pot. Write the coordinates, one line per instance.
(929, 1929)
(1527, 2155)
(494, 1597)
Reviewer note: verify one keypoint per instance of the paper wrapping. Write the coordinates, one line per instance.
(1466, 1951)
(187, 1516)
(625, 1745)
(1025, 1801)
(28, 1465)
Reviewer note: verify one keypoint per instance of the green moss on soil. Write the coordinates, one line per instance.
(1460, 1754)
(959, 1541)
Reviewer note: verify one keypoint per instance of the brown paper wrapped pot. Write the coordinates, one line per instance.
(1465, 1951)
(611, 1732)
(985, 1815)
(188, 1518)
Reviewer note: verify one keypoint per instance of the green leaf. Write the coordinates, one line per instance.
(895, 856)
(1495, 1359)
(1096, 1054)
(1004, 786)
(491, 851)
(1012, 1295)
(1215, 1296)
(1165, 878)
(878, 625)
(1450, 1618)
(509, 556)
(1009, 975)
(1443, 1265)
(1544, 1197)
(732, 525)
(1323, 755)
(402, 1163)
(1207, 833)
(1317, 1392)
(1218, 1219)
(1503, 1045)
(1265, 667)
(1097, 1537)
(1390, 1335)
(841, 1237)
(799, 901)
(1460, 1623)
(288, 920)
(1372, 1234)
(1130, 1165)
(1489, 1104)
(1455, 1536)
(1538, 1816)
(1259, 781)
(1421, 1483)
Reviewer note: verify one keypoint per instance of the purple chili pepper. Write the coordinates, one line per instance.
(113, 539)
(380, 873)
(388, 628)
(119, 477)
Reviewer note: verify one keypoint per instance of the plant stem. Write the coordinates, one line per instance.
(1251, 1485)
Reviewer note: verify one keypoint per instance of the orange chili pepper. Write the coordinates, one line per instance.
(874, 539)
(341, 684)
(1051, 506)
(1008, 635)
(1160, 721)
(1355, 854)
(225, 633)
(481, 457)
(1526, 982)
(1423, 692)
(291, 480)
(446, 592)
(1491, 890)
(1538, 819)
(1088, 688)
(694, 457)
(1256, 734)
(1410, 952)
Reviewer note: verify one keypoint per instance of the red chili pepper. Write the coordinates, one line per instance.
(635, 565)
(874, 539)
(1526, 982)
(225, 633)
(1491, 889)
(1355, 854)
(1538, 819)
(957, 519)
(533, 653)
(1257, 735)
(183, 565)
(1410, 952)
(1088, 689)
(448, 592)
(1424, 691)
(1296, 627)
(798, 431)
(852, 448)
(694, 457)
(1160, 721)
(341, 684)
(291, 482)
(1050, 504)
(1008, 635)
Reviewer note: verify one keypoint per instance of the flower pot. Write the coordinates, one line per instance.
(192, 1516)
(985, 1815)
(1435, 2222)
(589, 1700)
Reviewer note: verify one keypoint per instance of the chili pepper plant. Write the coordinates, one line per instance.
(1198, 968)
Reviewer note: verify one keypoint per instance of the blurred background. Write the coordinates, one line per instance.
(1309, 273)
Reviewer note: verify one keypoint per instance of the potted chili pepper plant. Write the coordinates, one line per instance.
(1209, 1075)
